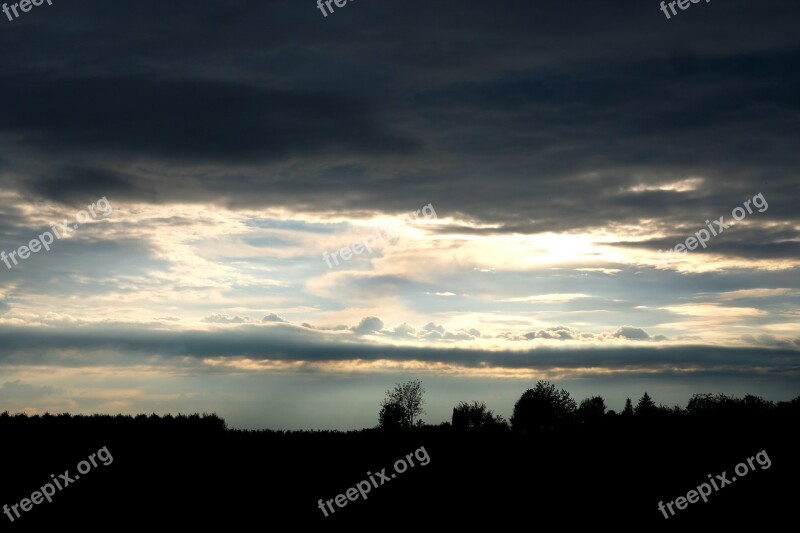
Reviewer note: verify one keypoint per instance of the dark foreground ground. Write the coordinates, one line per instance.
(192, 472)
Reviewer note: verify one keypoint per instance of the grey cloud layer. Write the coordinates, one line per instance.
(547, 105)
(289, 343)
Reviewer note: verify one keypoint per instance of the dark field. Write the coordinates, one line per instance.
(192, 472)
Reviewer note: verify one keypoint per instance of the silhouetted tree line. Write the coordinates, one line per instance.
(193, 423)
(545, 407)
(542, 408)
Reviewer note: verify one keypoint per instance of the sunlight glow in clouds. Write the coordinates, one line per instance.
(239, 265)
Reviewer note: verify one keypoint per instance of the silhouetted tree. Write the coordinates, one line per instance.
(705, 403)
(676, 410)
(591, 409)
(475, 416)
(756, 404)
(789, 409)
(721, 406)
(408, 396)
(628, 410)
(646, 405)
(701, 402)
(543, 407)
(392, 417)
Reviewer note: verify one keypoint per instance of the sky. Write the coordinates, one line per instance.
(281, 214)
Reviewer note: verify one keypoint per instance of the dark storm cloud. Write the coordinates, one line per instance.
(188, 121)
(747, 239)
(76, 184)
(534, 116)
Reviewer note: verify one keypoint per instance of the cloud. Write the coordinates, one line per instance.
(290, 344)
(557, 332)
(461, 335)
(632, 333)
(370, 324)
(17, 390)
(190, 121)
(213, 127)
(755, 293)
(225, 319)
(714, 311)
(272, 317)
(549, 298)
(404, 331)
(432, 331)
(770, 341)
(430, 326)
(564, 333)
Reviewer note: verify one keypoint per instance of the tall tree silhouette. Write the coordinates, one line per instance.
(404, 400)
(646, 405)
(628, 410)
(543, 407)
